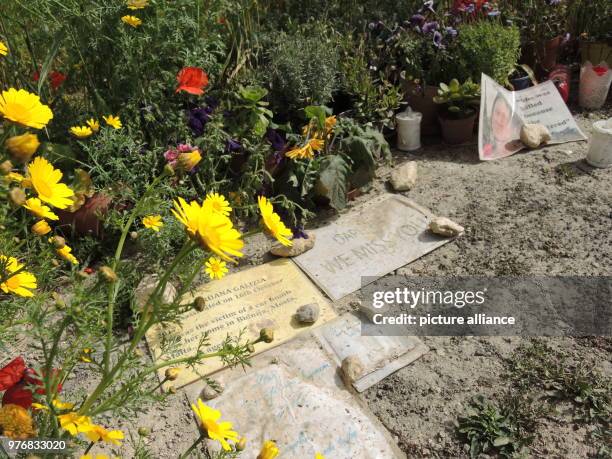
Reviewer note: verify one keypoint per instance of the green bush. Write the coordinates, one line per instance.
(486, 47)
(301, 68)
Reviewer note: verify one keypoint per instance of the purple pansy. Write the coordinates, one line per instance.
(431, 26)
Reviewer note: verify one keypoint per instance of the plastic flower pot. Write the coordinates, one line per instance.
(408, 130)
(560, 75)
(88, 219)
(600, 148)
(421, 100)
(457, 131)
(521, 83)
(594, 85)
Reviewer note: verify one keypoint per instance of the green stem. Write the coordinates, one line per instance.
(192, 447)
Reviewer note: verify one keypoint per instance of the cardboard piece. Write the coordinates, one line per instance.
(379, 355)
(294, 395)
(374, 240)
(266, 296)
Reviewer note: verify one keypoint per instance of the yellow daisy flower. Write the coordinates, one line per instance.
(93, 124)
(86, 355)
(81, 132)
(38, 209)
(99, 433)
(45, 180)
(137, 4)
(113, 121)
(13, 177)
(74, 423)
(319, 456)
(273, 223)
(217, 203)
(153, 222)
(131, 20)
(269, 450)
(330, 123)
(215, 268)
(188, 160)
(57, 403)
(98, 456)
(16, 422)
(316, 144)
(213, 231)
(3, 49)
(22, 147)
(22, 107)
(21, 283)
(41, 227)
(219, 431)
(303, 152)
(65, 253)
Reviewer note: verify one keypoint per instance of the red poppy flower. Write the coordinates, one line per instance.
(192, 80)
(600, 70)
(89, 270)
(15, 380)
(12, 373)
(55, 78)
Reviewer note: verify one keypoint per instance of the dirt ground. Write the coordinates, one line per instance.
(540, 212)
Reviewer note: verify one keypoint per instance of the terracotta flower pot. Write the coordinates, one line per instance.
(88, 219)
(548, 52)
(457, 131)
(421, 100)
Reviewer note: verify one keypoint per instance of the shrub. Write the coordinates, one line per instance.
(301, 69)
(486, 47)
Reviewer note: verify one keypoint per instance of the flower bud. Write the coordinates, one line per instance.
(134, 235)
(22, 147)
(199, 304)
(108, 274)
(55, 263)
(58, 242)
(41, 227)
(171, 390)
(144, 432)
(241, 445)
(6, 167)
(18, 196)
(26, 183)
(172, 374)
(250, 348)
(168, 170)
(266, 335)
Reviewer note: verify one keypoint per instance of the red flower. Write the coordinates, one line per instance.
(15, 379)
(192, 80)
(55, 78)
(600, 70)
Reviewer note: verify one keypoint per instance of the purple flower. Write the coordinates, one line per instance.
(437, 39)
(430, 27)
(232, 146)
(427, 5)
(417, 20)
(493, 13)
(299, 233)
(277, 141)
(470, 9)
(198, 117)
(451, 32)
(553, 2)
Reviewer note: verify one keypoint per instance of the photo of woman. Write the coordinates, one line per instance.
(500, 126)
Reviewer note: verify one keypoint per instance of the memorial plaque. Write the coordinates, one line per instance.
(370, 241)
(266, 296)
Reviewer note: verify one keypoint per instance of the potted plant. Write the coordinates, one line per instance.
(522, 77)
(458, 112)
(592, 24)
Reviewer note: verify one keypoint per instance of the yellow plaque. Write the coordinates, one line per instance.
(266, 296)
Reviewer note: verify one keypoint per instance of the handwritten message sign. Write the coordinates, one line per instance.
(372, 241)
(263, 297)
(301, 403)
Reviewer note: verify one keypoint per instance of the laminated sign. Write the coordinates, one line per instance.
(371, 241)
(239, 304)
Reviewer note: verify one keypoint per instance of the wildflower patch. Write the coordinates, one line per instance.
(265, 297)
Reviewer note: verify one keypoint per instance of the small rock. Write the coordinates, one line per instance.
(308, 313)
(404, 177)
(445, 227)
(147, 286)
(534, 135)
(299, 246)
(208, 393)
(352, 369)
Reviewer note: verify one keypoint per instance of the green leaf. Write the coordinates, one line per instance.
(332, 181)
(501, 441)
(253, 93)
(44, 71)
(318, 113)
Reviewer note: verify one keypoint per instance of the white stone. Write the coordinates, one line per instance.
(534, 135)
(404, 177)
(445, 227)
(308, 313)
(352, 369)
(209, 393)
